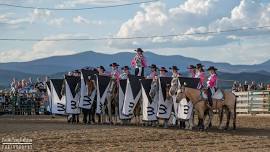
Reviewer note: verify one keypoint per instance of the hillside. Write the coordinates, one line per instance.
(56, 64)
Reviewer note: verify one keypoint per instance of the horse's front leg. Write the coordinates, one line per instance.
(210, 117)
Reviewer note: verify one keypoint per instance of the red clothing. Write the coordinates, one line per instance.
(212, 81)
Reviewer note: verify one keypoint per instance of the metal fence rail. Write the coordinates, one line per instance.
(253, 102)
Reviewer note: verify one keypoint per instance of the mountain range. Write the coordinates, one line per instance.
(59, 64)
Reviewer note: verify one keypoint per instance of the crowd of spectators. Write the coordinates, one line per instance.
(253, 86)
(25, 97)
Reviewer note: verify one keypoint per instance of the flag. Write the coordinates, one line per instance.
(48, 88)
(72, 95)
(103, 83)
(58, 100)
(149, 105)
(164, 105)
(122, 91)
(86, 101)
(132, 95)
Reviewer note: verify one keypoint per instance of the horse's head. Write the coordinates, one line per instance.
(112, 88)
(174, 86)
(154, 88)
(180, 92)
(90, 86)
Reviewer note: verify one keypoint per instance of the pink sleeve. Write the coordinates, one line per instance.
(144, 63)
(133, 62)
(212, 82)
(202, 77)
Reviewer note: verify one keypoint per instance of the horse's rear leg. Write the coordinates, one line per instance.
(228, 120)
(221, 112)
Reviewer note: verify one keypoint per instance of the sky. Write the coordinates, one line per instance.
(164, 17)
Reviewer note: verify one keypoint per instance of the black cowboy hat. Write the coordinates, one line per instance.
(125, 68)
(174, 68)
(153, 66)
(199, 65)
(191, 67)
(138, 50)
(114, 65)
(212, 68)
(102, 68)
(163, 69)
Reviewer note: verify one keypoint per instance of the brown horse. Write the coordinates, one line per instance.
(194, 95)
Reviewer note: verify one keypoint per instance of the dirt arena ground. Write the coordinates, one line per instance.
(47, 134)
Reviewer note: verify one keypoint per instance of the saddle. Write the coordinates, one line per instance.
(217, 95)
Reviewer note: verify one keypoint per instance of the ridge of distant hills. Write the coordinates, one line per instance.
(50, 66)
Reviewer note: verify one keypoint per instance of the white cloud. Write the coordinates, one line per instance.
(194, 16)
(40, 49)
(80, 20)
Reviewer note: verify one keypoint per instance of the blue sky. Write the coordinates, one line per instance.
(159, 18)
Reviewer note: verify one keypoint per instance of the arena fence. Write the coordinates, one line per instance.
(253, 102)
(250, 102)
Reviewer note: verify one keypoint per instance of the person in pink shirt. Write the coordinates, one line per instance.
(211, 83)
(200, 74)
(192, 71)
(139, 63)
(154, 72)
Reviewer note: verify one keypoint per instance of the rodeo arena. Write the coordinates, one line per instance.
(92, 109)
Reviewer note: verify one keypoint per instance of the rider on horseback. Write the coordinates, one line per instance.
(200, 74)
(163, 72)
(175, 72)
(153, 73)
(211, 84)
(101, 70)
(115, 74)
(192, 71)
(139, 63)
(125, 73)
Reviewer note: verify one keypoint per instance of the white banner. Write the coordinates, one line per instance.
(49, 108)
(164, 105)
(72, 103)
(122, 91)
(101, 96)
(130, 102)
(185, 109)
(58, 102)
(86, 101)
(149, 108)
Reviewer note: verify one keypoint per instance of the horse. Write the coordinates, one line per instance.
(155, 90)
(90, 113)
(200, 104)
(112, 101)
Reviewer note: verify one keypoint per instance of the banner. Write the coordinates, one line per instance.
(149, 105)
(164, 105)
(72, 95)
(189, 82)
(185, 109)
(122, 91)
(132, 95)
(48, 88)
(103, 83)
(86, 100)
(58, 100)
